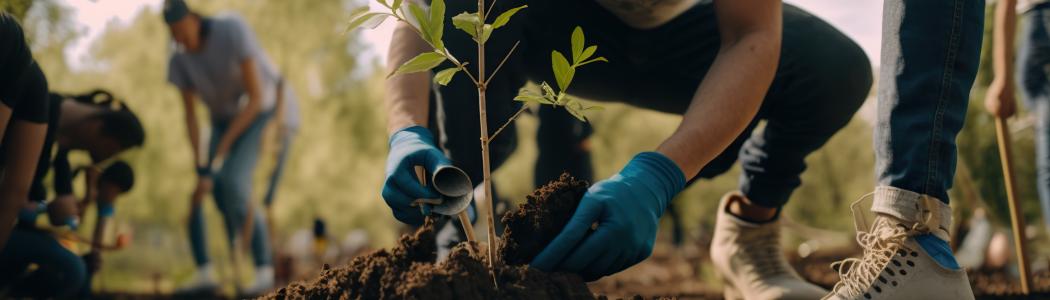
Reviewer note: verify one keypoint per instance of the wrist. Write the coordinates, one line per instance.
(203, 171)
(660, 173)
(411, 133)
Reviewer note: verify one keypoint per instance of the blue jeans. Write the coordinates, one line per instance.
(930, 55)
(1033, 59)
(232, 191)
(59, 274)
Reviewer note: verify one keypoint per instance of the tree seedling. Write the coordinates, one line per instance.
(429, 23)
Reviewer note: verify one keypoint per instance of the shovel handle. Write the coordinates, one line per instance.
(1016, 218)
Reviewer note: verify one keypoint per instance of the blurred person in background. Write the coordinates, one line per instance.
(95, 123)
(1032, 75)
(23, 120)
(219, 61)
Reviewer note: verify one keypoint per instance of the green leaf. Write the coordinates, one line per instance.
(423, 19)
(577, 45)
(366, 18)
(601, 59)
(420, 63)
(383, 2)
(467, 22)
(396, 5)
(563, 72)
(486, 31)
(444, 76)
(587, 53)
(528, 98)
(437, 22)
(503, 18)
(575, 111)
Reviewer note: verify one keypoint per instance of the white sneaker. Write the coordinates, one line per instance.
(264, 282)
(203, 282)
(894, 265)
(749, 258)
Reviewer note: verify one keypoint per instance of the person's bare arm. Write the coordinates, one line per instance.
(26, 140)
(733, 89)
(192, 127)
(243, 119)
(999, 100)
(407, 95)
(97, 235)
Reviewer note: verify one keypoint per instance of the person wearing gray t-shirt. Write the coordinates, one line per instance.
(218, 60)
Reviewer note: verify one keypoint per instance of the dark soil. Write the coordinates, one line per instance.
(408, 270)
(537, 221)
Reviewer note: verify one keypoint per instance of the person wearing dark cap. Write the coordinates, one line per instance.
(23, 120)
(218, 60)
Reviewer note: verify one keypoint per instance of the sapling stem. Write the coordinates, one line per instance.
(486, 171)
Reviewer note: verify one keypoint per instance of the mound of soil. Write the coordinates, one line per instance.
(408, 270)
(536, 222)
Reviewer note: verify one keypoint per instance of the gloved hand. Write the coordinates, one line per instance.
(410, 147)
(627, 208)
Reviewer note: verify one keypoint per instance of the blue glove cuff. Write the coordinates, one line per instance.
(410, 133)
(105, 210)
(664, 174)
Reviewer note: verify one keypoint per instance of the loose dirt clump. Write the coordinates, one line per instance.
(537, 221)
(408, 271)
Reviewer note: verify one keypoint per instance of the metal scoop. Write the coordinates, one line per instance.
(454, 186)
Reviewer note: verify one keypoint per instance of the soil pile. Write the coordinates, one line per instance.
(407, 271)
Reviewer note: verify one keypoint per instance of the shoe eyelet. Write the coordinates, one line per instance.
(894, 283)
(878, 289)
(903, 272)
(891, 272)
(896, 263)
(910, 263)
(915, 254)
(883, 279)
(867, 296)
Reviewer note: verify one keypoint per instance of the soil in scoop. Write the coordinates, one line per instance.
(407, 271)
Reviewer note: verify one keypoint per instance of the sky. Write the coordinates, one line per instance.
(859, 19)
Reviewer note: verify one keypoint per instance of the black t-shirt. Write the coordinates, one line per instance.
(63, 179)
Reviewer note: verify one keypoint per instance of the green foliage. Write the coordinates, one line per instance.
(420, 63)
(563, 75)
(504, 17)
(445, 76)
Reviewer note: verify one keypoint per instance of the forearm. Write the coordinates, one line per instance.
(193, 133)
(97, 235)
(1003, 40)
(726, 101)
(407, 95)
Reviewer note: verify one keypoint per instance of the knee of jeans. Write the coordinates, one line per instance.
(71, 273)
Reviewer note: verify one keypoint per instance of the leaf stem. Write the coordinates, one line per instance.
(443, 52)
(502, 61)
(524, 107)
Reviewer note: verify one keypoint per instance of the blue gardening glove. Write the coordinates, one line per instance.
(410, 147)
(627, 208)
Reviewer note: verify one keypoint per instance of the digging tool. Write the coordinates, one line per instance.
(456, 192)
(1002, 131)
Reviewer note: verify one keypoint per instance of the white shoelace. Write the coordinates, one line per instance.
(880, 245)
